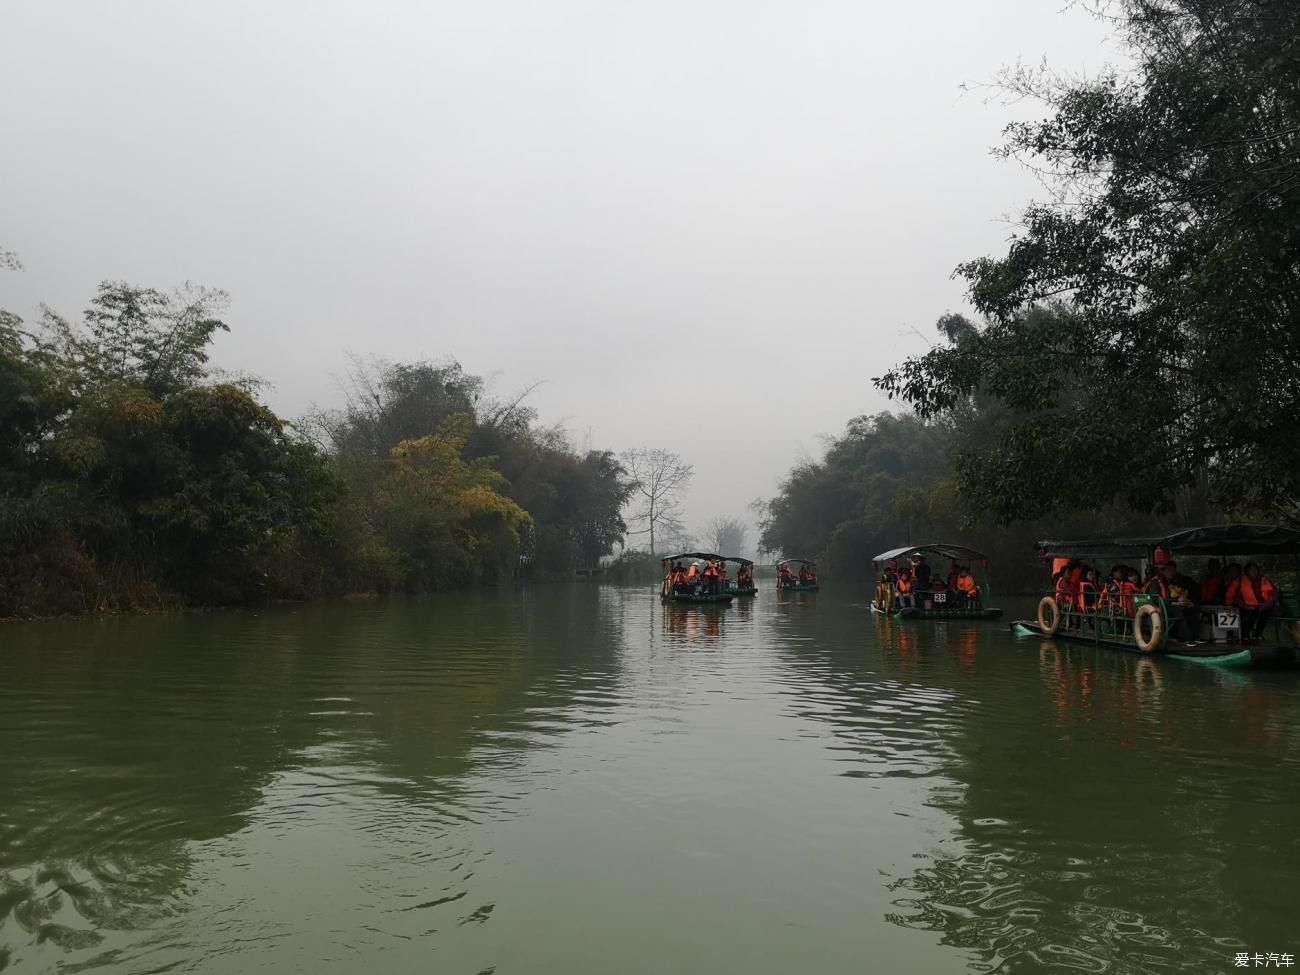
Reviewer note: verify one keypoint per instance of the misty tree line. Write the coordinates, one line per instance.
(1137, 360)
(134, 476)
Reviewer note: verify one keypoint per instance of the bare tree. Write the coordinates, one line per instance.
(726, 536)
(659, 479)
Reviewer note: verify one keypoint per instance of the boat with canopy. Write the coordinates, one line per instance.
(910, 587)
(695, 577)
(1119, 612)
(743, 584)
(803, 579)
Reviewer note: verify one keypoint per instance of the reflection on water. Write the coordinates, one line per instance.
(581, 779)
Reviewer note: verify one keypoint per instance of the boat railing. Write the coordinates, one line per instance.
(1118, 612)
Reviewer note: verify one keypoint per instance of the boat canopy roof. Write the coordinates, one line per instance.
(945, 550)
(1211, 540)
(800, 561)
(706, 556)
(738, 560)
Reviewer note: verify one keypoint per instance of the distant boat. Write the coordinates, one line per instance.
(696, 590)
(904, 593)
(788, 581)
(734, 586)
(1126, 618)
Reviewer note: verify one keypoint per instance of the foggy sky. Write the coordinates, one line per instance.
(704, 225)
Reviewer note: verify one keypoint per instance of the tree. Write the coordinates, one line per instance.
(659, 479)
(725, 536)
(1143, 329)
(574, 501)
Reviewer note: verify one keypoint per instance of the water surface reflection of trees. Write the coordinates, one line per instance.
(1112, 812)
(129, 745)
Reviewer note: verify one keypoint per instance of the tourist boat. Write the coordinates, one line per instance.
(945, 603)
(733, 585)
(696, 594)
(793, 584)
(1141, 622)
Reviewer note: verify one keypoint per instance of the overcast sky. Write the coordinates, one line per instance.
(704, 225)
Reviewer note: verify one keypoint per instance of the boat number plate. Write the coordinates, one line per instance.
(1222, 619)
(940, 598)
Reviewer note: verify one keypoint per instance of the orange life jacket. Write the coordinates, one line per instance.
(1065, 590)
(904, 585)
(966, 583)
(1256, 594)
(1230, 594)
(1087, 596)
(692, 572)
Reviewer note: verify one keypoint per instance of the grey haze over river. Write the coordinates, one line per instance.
(579, 780)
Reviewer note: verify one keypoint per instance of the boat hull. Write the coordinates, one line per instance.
(921, 613)
(1211, 655)
(798, 588)
(747, 591)
(702, 598)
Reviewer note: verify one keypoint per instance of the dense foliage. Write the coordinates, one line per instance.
(890, 480)
(1172, 369)
(132, 476)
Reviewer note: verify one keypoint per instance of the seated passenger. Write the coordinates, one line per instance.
(1175, 590)
(1089, 591)
(1131, 585)
(679, 578)
(906, 588)
(966, 585)
(1257, 600)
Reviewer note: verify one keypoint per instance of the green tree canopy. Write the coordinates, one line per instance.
(1143, 329)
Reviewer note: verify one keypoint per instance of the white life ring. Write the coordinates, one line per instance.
(1048, 610)
(1157, 638)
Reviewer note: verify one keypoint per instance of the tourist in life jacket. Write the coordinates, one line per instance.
(921, 571)
(1257, 600)
(906, 595)
(966, 585)
(711, 577)
(1067, 588)
(1180, 599)
(805, 577)
(1089, 591)
(745, 576)
(679, 578)
(692, 577)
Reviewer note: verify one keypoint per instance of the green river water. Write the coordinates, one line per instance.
(579, 780)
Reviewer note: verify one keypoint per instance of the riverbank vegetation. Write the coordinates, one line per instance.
(1136, 365)
(134, 476)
